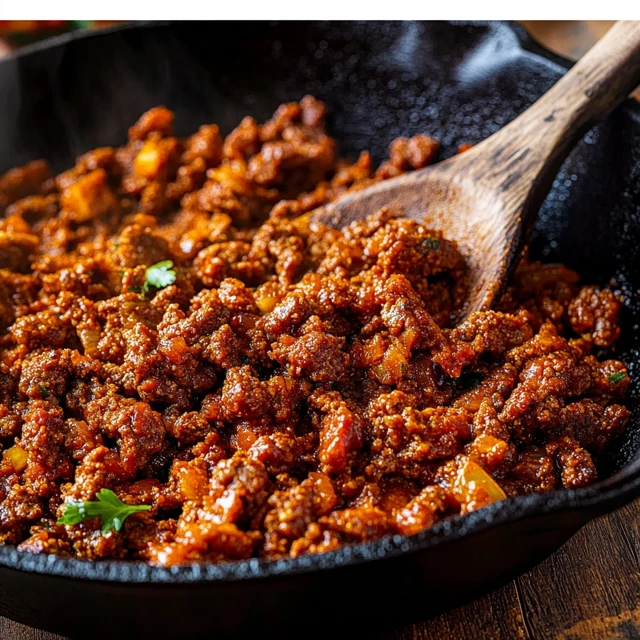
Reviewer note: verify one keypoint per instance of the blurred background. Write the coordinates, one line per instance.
(568, 38)
(16, 33)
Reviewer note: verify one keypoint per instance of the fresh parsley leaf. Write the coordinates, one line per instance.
(616, 377)
(109, 508)
(160, 275)
(44, 392)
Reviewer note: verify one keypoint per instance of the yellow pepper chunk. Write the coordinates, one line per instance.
(474, 487)
(266, 303)
(17, 456)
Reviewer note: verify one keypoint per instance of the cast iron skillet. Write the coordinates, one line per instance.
(457, 82)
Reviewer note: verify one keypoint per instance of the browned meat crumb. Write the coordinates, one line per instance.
(290, 388)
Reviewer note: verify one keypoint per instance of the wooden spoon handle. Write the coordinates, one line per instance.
(522, 159)
(596, 84)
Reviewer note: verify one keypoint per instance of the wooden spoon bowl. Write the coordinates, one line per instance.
(486, 198)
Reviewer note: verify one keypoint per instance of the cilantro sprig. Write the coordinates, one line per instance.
(108, 507)
(159, 275)
(616, 377)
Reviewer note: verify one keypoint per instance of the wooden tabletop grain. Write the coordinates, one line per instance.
(588, 590)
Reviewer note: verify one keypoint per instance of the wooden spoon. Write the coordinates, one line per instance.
(486, 199)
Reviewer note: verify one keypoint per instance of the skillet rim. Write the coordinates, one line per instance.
(599, 498)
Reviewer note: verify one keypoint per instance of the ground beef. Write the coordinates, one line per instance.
(175, 330)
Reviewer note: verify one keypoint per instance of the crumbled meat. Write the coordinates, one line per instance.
(290, 388)
(594, 312)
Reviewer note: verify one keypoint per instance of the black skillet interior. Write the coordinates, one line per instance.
(458, 82)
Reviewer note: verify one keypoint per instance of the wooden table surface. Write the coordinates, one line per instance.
(588, 590)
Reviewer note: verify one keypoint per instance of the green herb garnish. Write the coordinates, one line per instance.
(617, 377)
(159, 275)
(44, 392)
(109, 508)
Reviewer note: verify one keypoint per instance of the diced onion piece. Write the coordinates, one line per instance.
(409, 337)
(150, 160)
(88, 197)
(374, 350)
(393, 366)
(89, 337)
(17, 456)
(192, 482)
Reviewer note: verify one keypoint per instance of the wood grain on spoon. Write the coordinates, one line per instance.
(487, 198)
